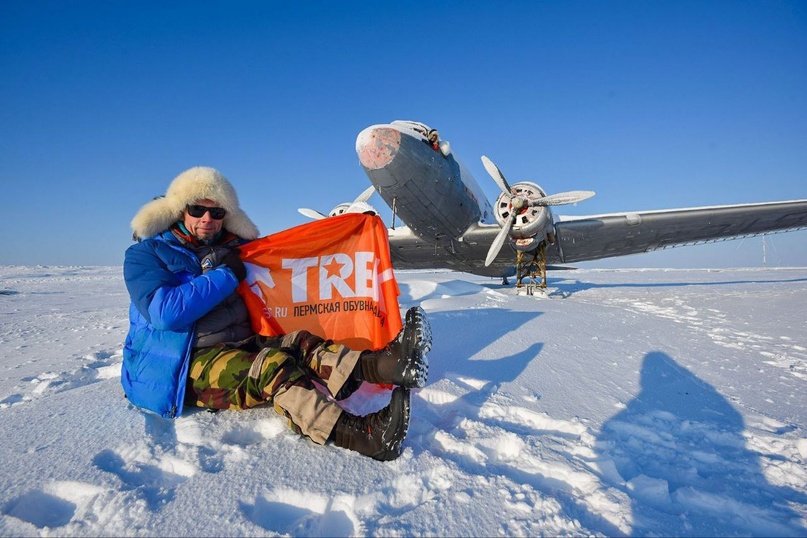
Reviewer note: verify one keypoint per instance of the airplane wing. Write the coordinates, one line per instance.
(604, 236)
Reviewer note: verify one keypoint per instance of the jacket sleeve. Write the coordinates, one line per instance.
(167, 287)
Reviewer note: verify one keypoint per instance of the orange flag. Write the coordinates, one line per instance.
(332, 277)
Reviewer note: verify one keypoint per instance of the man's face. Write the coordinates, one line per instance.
(204, 227)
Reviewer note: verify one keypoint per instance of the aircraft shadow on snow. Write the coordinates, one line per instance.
(483, 377)
(467, 343)
(680, 453)
(457, 331)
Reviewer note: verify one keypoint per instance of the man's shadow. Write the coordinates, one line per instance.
(679, 452)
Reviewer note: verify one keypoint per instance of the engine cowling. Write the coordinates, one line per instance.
(530, 221)
(353, 207)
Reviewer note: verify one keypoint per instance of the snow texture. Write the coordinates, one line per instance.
(650, 402)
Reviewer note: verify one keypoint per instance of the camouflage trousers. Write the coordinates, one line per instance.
(281, 371)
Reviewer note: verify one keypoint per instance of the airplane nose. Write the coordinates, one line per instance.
(377, 146)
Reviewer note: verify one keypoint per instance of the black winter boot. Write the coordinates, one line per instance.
(378, 435)
(403, 361)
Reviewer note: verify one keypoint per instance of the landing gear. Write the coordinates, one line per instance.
(536, 266)
(534, 270)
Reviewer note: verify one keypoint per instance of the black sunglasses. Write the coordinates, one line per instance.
(198, 211)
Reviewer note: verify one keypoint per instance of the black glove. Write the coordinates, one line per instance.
(233, 261)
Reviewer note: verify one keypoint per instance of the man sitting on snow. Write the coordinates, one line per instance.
(190, 339)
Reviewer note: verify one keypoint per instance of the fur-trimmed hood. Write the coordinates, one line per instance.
(188, 187)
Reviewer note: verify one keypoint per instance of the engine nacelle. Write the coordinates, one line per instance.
(353, 207)
(530, 221)
(340, 209)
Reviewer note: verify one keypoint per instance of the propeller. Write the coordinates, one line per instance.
(499, 241)
(496, 174)
(520, 203)
(311, 213)
(359, 205)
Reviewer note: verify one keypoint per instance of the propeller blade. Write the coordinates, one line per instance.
(496, 174)
(363, 197)
(562, 198)
(497, 244)
(310, 213)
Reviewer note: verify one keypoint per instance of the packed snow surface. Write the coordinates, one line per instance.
(649, 402)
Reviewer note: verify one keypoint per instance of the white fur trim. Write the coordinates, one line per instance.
(191, 186)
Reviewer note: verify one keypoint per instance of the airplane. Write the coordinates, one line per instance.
(450, 224)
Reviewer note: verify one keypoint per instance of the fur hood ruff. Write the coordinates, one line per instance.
(190, 186)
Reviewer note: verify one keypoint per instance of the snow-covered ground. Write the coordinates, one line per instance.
(650, 402)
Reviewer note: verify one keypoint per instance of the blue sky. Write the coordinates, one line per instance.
(653, 105)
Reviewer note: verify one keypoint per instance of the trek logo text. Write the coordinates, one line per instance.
(332, 283)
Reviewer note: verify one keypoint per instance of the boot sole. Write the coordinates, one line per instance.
(394, 444)
(417, 372)
(424, 330)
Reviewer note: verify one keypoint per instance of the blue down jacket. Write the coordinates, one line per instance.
(169, 293)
